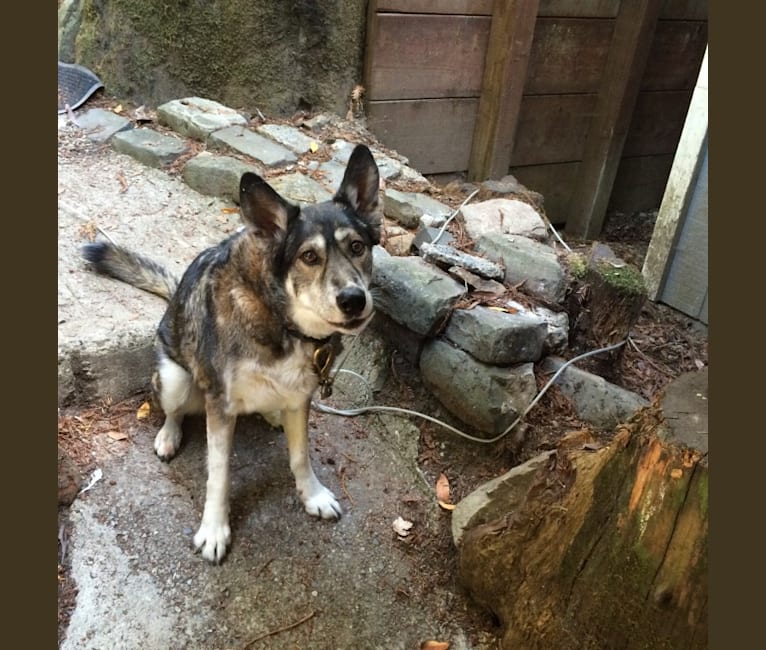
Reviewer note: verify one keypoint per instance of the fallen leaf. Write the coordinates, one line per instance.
(117, 435)
(402, 527)
(442, 488)
(446, 506)
(230, 210)
(143, 411)
(434, 645)
(676, 473)
(314, 147)
(118, 109)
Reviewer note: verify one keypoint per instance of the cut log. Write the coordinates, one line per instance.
(608, 549)
(604, 300)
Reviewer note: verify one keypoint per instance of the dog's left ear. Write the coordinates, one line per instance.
(359, 188)
(262, 207)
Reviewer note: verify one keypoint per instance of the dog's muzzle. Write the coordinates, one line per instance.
(352, 301)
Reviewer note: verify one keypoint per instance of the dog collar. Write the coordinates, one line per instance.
(324, 356)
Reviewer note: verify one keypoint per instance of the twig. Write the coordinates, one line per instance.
(343, 487)
(648, 359)
(280, 629)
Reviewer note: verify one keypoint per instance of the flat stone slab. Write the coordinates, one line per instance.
(151, 148)
(196, 117)
(99, 125)
(413, 292)
(497, 337)
(252, 144)
(216, 175)
(288, 136)
(529, 261)
(486, 397)
(407, 208)
(596, 400)
(300, 189)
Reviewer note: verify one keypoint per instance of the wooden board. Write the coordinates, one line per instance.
(684, 10)
(434, 134)
(554, 182)
(568, 55)
(469, 7)
(427, 56)
(552, 129)
(671, 9)
(676, 54)
(658, 120)
(640, 183)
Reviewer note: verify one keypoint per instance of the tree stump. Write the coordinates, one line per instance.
(609, 548)
(604, 299)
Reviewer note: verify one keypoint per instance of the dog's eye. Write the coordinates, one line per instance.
(310, 258)
(357, 247)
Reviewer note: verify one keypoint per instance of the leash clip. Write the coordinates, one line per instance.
(323, 358)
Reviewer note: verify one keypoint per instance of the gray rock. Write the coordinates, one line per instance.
(448, 256)
(340, 150)
(412, 176)
(70, 478)
(99, 125)
(413, 292)
(526, 260)
(149, 147)
(426, 235)
(262, 149)
(497, 337)
(596, 400)
(496, 498)
(216, 175)
(332, 173)
(557, 324)
(488, 398)
(300, 189)
(408, 207)
(197, 117)
(387, 166)
(288, 136)
(508, 216)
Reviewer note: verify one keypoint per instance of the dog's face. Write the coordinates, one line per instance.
(323, 253)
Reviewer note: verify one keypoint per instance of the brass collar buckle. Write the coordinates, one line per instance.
(324, 355)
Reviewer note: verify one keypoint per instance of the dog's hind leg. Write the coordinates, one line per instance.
(317, 499)
(214, 534)
(178, 396)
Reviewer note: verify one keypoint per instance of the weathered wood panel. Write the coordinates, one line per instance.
(633, 31)
(568, 55)
(671, 9)
(676, 54)
(468, 7)
(640, 183)
(686, 286)
(506, 63)
(554, 182)
(435, 134)
(552, 129)
(427, 56)
(658, 120)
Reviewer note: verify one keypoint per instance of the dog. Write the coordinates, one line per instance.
(254, 324)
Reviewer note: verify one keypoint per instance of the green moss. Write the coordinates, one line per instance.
(625, 278)
(578, 266)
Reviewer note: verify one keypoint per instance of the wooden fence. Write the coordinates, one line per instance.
(583, 102)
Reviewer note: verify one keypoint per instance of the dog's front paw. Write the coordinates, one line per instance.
(168, 440)
(212, 541)
(321, 503)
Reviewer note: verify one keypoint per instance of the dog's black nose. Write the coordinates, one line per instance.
(351, 301)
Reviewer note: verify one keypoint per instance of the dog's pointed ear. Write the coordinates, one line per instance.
(361, 182)
(262, 207)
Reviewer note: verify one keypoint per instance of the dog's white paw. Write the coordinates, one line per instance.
(321, 503)
(168, 440)
(212, 541)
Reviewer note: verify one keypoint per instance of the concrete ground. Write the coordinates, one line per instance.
(289, 581)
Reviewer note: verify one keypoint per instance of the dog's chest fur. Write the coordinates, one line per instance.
(252, 386)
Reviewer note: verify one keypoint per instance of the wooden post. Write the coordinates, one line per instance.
(505, 70)
(631, 43)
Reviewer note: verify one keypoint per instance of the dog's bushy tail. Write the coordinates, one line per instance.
(130, 267)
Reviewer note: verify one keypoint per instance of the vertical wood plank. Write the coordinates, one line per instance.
(631, 43)
(369, 48)
(505, 69)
